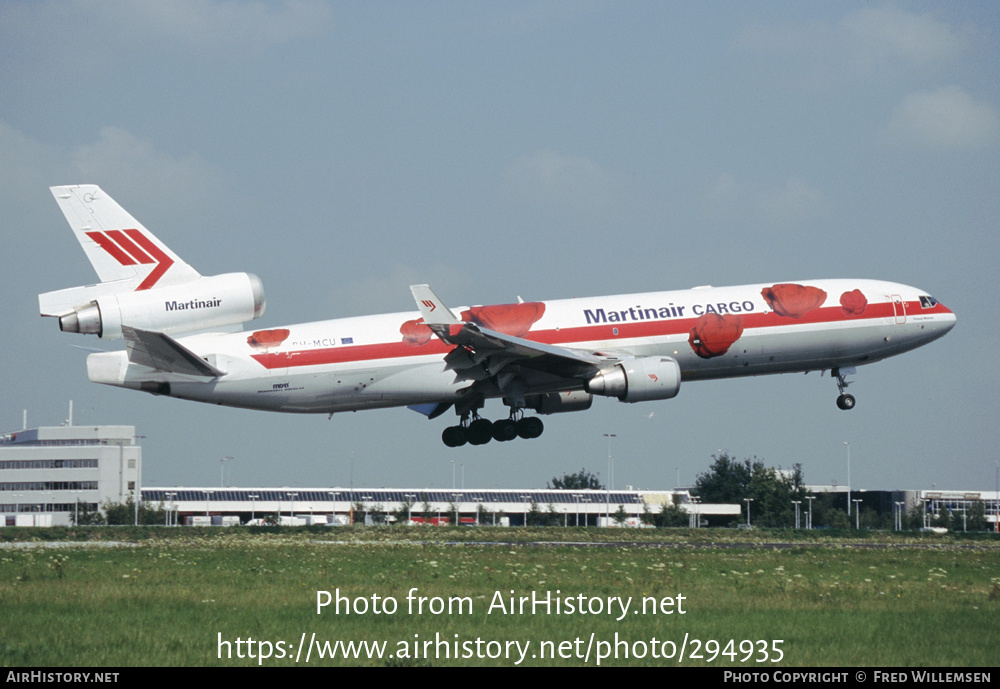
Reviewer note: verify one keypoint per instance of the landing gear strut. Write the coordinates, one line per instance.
(844, 401)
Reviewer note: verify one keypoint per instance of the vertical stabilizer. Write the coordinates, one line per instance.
(118, 246)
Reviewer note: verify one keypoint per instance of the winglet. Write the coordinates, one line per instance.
(432, 309)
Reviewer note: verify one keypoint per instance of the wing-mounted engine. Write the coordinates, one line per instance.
(559, 402)
(638, 380)
(218, 301)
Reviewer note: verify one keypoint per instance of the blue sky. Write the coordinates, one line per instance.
(343, 151)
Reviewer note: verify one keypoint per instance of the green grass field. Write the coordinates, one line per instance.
(171, 595)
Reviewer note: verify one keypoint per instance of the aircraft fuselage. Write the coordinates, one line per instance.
(369, 362)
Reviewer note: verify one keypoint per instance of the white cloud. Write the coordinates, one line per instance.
(126, 162)
(128, 167)
(947, 118)
(68, 39)
(888, 33)
(794, 201)
(549, 177)
(863, 44)
(788, 203)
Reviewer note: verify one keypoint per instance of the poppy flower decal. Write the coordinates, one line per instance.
(853, 303)
(713, 334)
(262, 339)
(793, 301)
(510, 319)
(415, 333)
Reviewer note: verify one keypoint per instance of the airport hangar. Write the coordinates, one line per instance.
(49, 473)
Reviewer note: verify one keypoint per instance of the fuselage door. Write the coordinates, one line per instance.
(899, 309)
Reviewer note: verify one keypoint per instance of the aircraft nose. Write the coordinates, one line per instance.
(945, 320)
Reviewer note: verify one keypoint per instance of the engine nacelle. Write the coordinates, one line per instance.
(558, 402)
(205, 303)
(639, 380)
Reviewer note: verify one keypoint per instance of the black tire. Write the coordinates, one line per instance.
(504, 430)
(454, 436)
(846, 402)
(480, 432)
(530, 427)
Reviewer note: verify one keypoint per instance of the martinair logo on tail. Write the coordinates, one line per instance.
(132, 247)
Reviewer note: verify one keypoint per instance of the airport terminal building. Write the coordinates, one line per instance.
(49, 473)
(483, 507)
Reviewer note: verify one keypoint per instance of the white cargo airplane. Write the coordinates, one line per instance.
(183, 339)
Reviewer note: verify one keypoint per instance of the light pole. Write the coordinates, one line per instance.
(607, 502)
(253, 506)
(222, 469)
(410, 497)
(810, 498)
(170, 503)
(848, 478)
(525, 498)
(796, 503)
(333, 511)
(857, 514)
(207, 493)
(748, 501)
(76, 508)
(291, 499)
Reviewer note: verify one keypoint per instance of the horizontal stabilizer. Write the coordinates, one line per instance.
(164, 353)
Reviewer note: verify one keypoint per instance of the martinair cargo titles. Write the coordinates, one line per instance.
(183, 338)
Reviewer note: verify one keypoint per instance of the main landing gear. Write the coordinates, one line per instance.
(845, 401)
(481, 431)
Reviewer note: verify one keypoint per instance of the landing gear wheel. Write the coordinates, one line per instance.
(454, 436)
(504, 430)
(530, 427)
(846, 401)
(479, 432)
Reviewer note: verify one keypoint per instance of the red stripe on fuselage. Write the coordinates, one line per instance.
(588, 333)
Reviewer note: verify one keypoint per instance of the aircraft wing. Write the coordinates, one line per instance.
(162, 352)
(476, 346)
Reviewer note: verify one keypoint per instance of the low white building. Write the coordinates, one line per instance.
(48, 473)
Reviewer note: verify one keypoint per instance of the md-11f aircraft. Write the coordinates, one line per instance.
(183, 338)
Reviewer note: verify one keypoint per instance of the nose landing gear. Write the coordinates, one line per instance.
(844, 401)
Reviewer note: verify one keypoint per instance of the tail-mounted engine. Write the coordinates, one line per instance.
(639, 380)
(208, 302)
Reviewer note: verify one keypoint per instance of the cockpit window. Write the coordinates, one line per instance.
(928, 302)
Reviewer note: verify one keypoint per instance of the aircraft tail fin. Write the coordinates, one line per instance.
(143, 283)
(121, 250)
